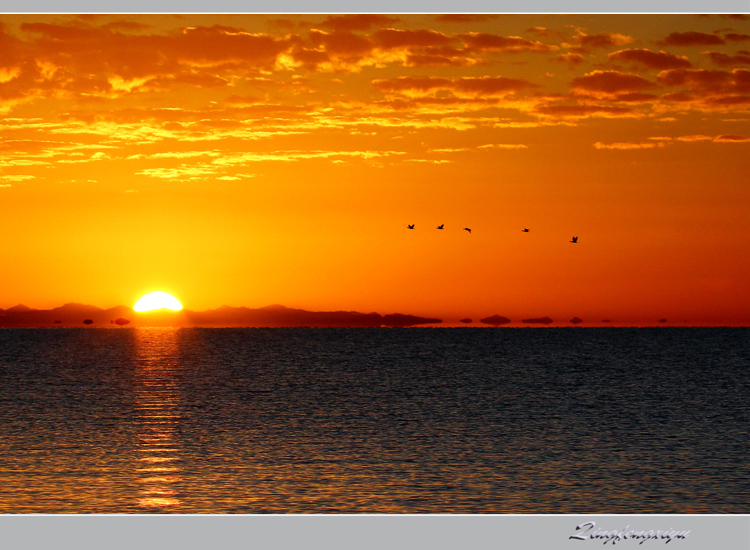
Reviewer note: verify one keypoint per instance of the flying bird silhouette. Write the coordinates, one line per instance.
(410, 226)
(467, 229)
(524, 230)
(440, 226)
(575, 240)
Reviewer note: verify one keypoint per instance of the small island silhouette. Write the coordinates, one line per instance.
(538, 321)
(495, 320)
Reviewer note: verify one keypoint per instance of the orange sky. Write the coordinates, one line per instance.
(252, 159)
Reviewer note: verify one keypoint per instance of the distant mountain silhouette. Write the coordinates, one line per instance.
(495, 320)
(467, 321)
(538, 320)
(73, 315)
(576, 320)
(20, 308)
(75, 309)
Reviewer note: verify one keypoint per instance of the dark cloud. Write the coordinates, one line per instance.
(701, 79)
(736, 37)
(723, 89)
(611, 82)
(724, 60)
(653, 60)
(692, 39)
(69, 48)
(342, 43)
(222, 44)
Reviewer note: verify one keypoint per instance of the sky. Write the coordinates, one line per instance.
(251, 160)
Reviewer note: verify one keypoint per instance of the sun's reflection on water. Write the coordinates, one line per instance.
(157, 396)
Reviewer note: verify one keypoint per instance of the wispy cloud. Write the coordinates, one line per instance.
(508, 146)
(630, 146)
(731, 139)
(16, 178)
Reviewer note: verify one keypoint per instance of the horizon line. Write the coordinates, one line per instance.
(451, 320)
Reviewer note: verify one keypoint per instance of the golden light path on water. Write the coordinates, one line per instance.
(157, 396)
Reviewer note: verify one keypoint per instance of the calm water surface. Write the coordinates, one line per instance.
(485, 420)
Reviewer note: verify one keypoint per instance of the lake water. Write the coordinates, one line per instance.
(444, 420)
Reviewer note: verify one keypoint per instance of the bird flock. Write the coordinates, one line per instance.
(574, 240)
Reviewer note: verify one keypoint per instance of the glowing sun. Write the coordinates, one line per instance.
(157, 300)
